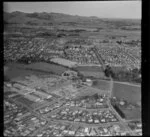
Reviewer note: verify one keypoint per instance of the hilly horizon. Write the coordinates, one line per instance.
(40, 18)
(94, 17)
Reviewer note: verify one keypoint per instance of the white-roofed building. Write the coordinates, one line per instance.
(42, 94)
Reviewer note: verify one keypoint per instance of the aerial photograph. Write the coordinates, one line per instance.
(72, 68)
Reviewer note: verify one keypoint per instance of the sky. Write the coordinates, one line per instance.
(103, 9)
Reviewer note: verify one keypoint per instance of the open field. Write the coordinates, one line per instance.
(91, 71)
(92, 74)
(89, 68)
(132, 114)
(132, 93)
(101, 84)
(47, 67)
(14, 70)
(129, 92)
(90, 91)
(64, 62)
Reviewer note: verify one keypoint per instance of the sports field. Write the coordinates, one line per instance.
(129, 92)
(132, 114)
(132, 93)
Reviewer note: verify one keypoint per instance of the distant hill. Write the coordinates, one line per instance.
(45, 18)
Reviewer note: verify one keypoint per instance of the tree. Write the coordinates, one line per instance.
(109, 72)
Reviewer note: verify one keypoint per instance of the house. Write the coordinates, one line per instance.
(88, 82)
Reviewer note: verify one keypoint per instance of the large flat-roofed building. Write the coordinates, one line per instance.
(32, 98)
(25, 92)
(21, 91)
(18, 86)
(29, 89)
(42, 94)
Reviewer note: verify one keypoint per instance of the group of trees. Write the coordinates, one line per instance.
(124, 75)
(119, 111)
(131, 43)
(109, 72)
(130, 75)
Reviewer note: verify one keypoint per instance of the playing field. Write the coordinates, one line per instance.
(132, 93)
(132, 114)
(129, 92)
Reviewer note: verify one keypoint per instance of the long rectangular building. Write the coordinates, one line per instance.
(42, 94)
(32, 98)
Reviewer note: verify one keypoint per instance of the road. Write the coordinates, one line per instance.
(122, 121)
(95, 50)
(49, 120)
(125, 83)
